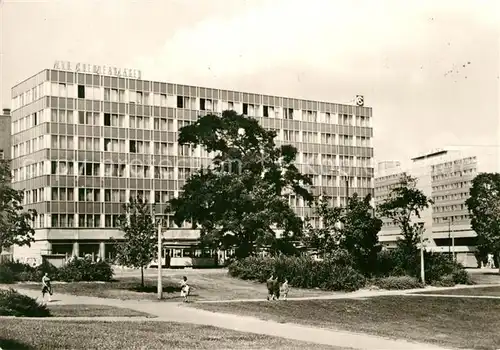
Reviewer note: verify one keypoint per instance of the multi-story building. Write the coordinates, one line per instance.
(446, 177)
(84, 143)
(5, 139)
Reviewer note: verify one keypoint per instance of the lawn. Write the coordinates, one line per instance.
(93, 311)
(493, 291)
(206, 285)
(451, 322)
(46, 334)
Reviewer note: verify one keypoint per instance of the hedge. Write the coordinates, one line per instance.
(397, 282)
(301, 272)
(74, 271)
(13, 303)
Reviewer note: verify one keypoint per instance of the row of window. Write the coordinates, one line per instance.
(453, 165)
(202, 104)
(446, 208)
(94, 221)
(457, 173)
(452, 186)
(454, 196)
(450, 219)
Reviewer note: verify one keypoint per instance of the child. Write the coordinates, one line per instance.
(46, 287)
(184, 289)
(285, 289)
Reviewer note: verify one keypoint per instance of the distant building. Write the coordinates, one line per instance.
(5, 134)
(446, 177)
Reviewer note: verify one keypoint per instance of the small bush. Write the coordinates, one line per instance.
(13, 303)
(6, 274)
(397, 282)
(333, 273)
(85, 270)
(460, 276)
(445, 281)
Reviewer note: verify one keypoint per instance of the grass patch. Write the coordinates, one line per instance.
(35, 334)
(493, 291)
(452, 322)
(206, 285)
(93, 311)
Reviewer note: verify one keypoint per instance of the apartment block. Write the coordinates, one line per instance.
(445, 176)
(84, 143)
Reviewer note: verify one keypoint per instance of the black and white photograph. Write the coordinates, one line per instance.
(249, 174)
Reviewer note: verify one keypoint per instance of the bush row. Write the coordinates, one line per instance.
(75, 270)
(301, 272)
(393, 270)
(13, 303)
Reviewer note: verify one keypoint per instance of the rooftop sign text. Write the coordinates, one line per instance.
(97, 69)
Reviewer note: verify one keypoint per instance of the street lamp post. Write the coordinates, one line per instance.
(422, 267)
(160, 246)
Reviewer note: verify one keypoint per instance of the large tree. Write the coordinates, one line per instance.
(243, 196)
(15, 223)
(353, 229)
(325, 239)
(403, 207)
(484, 208)
(139, 245)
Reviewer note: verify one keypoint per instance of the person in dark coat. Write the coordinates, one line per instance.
(270, 284)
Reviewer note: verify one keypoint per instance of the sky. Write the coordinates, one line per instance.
(429, 69)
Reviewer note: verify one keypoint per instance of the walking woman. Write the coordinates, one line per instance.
(46, 287)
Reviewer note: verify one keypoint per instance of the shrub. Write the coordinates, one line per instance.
(445, 281)
(85, 270)
(13, 303)
(460, 276)
(6, 274)
(398, 262)
(333, 273)
(397, 282)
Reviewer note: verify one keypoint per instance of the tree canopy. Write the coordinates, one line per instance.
(484, 208)
(243, 196)
(405, 203)
(140, 239)
(15, 223)
(353, 229)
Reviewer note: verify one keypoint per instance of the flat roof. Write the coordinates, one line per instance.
(353, 105)
(430, 155)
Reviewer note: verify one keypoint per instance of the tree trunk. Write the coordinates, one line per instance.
(498, 261)
(142, 277)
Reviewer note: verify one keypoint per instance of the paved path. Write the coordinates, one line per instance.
(360, 294)
(456, 296)
(175, 312)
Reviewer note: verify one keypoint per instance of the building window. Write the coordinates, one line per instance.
(180, 101)
(81, 91)
(288, 113)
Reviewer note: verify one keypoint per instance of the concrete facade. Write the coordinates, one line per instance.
(5, 139)
(82, 144)
(446, 177)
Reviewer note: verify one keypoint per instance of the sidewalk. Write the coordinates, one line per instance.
(174, 312)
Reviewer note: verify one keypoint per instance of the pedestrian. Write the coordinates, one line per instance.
(185, 289)
(276, 288)
(270, 288)
(46, 287)
(285, 288)
(491, 262)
